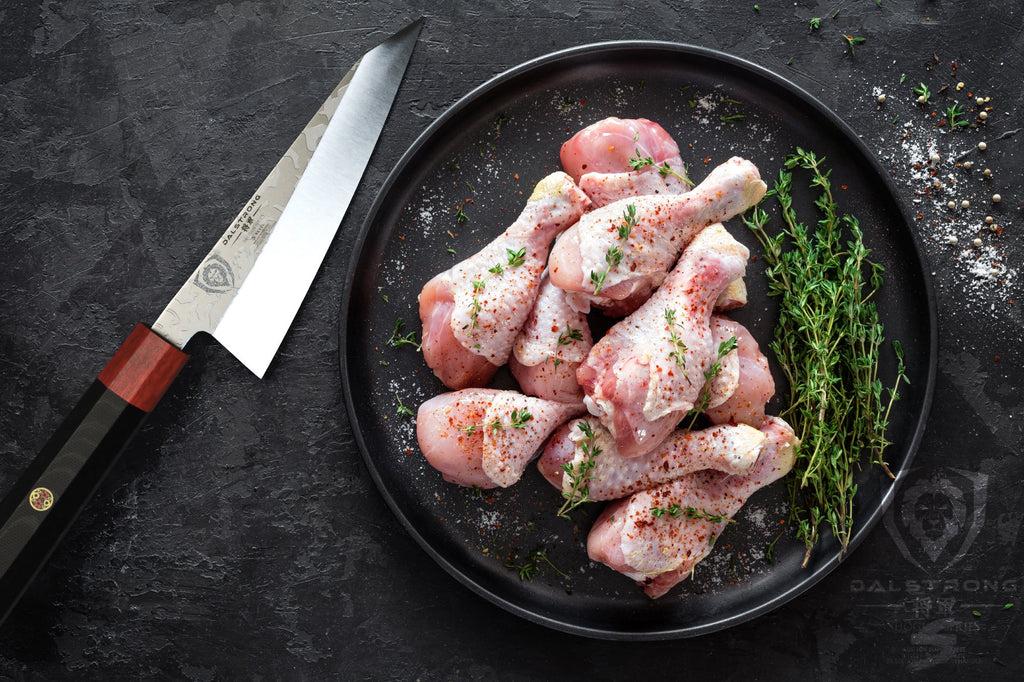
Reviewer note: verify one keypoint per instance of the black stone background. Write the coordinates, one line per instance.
(241, 536)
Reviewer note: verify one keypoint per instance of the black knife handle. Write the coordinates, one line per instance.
(48, 496)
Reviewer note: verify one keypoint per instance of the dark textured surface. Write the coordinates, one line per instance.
(241, 536)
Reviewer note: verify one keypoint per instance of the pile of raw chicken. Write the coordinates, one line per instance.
(637, 240)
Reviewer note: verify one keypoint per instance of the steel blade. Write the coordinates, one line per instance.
(249, 287)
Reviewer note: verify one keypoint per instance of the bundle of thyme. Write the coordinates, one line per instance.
(827, 342)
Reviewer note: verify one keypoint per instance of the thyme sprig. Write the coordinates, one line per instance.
(580, 475)
(398, 339)
(827, 341)
(517, 420)
(402, 410)
(953, 115)
(851, 41)
(713, 370)
(614, 255)
(664, 170)
(675, 511)
(769, 550)
(533, 561)
(570, 335)
(679, 349)
(515, 259)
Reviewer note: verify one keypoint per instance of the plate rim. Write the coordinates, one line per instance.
(609, 48)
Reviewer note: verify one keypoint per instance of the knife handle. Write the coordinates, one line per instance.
(51, 492)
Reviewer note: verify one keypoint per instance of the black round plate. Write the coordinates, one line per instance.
(483, 157)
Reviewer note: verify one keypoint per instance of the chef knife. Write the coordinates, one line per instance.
(245, 293)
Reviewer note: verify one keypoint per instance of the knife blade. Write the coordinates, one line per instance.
(245, 293)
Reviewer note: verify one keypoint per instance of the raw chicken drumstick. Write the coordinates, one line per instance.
(600, 146)
(610, 256)
(648, 370)
(472, 312)
(486, 437)
(727, 448)
(656, 537)
(551, 345)
(603, 159)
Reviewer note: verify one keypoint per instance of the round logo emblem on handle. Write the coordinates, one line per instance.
(40, 499)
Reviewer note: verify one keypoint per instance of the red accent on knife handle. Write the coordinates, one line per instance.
(52, 490)
(143, 368)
